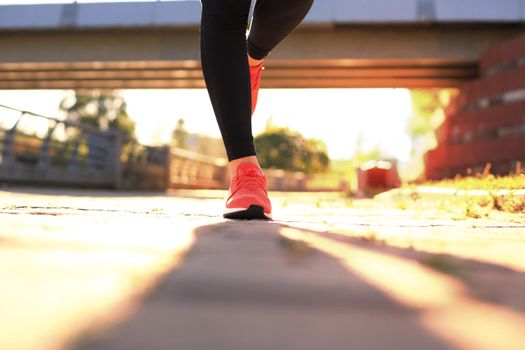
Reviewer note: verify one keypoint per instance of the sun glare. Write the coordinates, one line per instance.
(345, 119)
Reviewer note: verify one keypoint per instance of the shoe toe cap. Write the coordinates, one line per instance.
(245, 201)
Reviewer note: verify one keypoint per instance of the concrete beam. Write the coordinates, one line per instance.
(342, 56)
(160, 14)
(278, 73)
(348, 42)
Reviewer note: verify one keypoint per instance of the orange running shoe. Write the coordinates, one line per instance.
(248, 195)
(255, 80)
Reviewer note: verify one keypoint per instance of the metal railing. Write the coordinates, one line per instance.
(68, 153)
(74, 154)
(144, 167)
(192, 170)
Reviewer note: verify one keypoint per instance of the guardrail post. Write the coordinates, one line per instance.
(43, 157)
(73, 164)
(90, 161)
(8, 152)
(113, 158)
(167, 166)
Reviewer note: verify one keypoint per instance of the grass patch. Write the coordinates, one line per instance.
(478, 206)
(488, 183)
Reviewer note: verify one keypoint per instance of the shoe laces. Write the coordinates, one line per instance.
(250, 181)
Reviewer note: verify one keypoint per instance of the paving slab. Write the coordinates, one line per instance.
(105, 270)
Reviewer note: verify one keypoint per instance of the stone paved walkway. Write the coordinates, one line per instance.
(101, 270)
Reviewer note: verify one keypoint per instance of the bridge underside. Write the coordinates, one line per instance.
(350, 56)
(278, 74)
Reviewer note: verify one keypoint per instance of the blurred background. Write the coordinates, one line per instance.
(364, 96)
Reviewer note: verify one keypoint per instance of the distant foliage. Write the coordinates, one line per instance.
(100, 110)
(428, 113)
(281, 148)
(198, 143)
(427, 107)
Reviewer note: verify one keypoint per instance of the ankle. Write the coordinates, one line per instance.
(233, 164)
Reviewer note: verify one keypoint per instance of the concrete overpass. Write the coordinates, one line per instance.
(342, 43)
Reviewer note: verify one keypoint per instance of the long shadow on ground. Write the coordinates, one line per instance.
(243, 287)
(493, 283)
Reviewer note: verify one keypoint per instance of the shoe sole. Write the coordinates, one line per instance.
(253, 212)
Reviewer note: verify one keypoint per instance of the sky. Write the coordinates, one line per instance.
(339, 117)
(23, 2)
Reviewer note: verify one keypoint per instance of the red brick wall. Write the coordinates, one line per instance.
(485, 123)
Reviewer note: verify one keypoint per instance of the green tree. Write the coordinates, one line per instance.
(100, 110)
(314, 156)
(281, 148)
(428, 112)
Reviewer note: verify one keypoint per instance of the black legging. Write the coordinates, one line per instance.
(224, 49)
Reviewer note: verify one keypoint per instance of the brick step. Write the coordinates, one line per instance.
(500, 168)
(477, 152)
(499, 56)
(488, 88)
(481, 120)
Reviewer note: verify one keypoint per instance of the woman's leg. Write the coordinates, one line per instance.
(227, 74)
(225, 68)
(272, 21)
